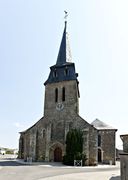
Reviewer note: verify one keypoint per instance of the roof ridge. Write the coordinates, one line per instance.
(101, 125)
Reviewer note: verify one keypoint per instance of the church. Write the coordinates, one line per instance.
(45, 140)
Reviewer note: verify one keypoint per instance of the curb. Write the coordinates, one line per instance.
(54, 165)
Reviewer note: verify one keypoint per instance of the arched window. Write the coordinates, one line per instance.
(56, 95)
(37, 145)
(43, 133)
(21, 148)
(99, 140)
(63, 94)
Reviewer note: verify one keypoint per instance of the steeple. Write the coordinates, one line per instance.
(64, 69)
(64, 55)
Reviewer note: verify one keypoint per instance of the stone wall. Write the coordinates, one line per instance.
(41, 140)
(49, 133)
(108, 146)
(92, 146)
(71, 103)
(124, 158)
(124, 138)
(124, 166)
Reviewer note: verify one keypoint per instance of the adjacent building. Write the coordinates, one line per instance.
(124, 157)
(106, 142)
(2, 151)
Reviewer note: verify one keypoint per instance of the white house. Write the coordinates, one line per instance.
(2, 151)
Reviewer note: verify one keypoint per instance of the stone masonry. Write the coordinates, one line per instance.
(124, 157)
(45, 140)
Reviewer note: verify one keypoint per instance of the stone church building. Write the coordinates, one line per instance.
(45, 140)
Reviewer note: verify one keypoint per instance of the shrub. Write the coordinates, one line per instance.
(74, 147)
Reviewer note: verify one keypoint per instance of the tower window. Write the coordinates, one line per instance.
(63, 94)
(55, 73)
(99, 140)
(56, 95)
(66, 72)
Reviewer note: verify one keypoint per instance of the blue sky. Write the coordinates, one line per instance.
(30, 35)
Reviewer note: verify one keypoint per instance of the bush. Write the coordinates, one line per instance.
(9, 152)
(68, 160)
(74, 147)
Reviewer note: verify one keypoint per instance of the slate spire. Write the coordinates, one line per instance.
(64, 55)
(64, 69)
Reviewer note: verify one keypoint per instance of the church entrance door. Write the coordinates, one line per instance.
(99, 156)
(58, 155)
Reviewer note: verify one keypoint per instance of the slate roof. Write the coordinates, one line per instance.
(64, 54)
(100, 125)
(64, 69)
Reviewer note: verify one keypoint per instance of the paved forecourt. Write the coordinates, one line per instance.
(107, 175)
(15, 169)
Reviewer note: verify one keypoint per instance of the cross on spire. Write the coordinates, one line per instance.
(66, 15)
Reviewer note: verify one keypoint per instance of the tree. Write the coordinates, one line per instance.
(74, 146)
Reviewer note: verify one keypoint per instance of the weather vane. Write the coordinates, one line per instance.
(66, 15)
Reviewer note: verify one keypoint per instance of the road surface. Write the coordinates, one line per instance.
(12, 170)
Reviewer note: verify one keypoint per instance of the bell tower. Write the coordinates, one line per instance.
(61, 87)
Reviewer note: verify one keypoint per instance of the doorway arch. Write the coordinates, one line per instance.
(58, 154)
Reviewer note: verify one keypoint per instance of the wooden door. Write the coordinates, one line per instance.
(58, 155)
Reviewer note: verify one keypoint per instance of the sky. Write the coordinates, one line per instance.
(30, 36)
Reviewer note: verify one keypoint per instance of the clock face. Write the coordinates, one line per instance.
(59, 106)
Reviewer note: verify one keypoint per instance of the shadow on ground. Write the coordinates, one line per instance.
(13, 162)
(10, 163)
(115, 178)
